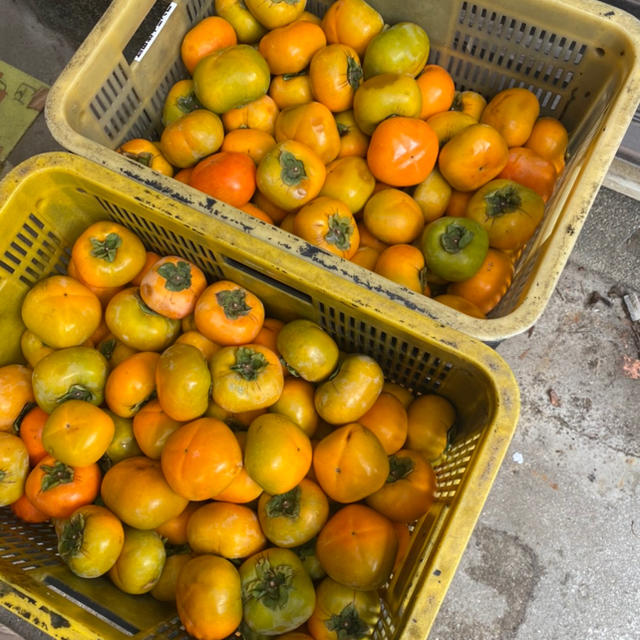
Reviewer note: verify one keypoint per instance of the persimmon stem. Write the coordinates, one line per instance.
(399, 467)
(354, 73)
(107, 248)
(249, 363)
(340, 232)
(72, 536)
(285, 504)
(293, 172)
(501, 201)
(348, 624)
(177, 276)
(56, 474)
(188, 103)
(455, 238)
(271, 585)
(233, 302)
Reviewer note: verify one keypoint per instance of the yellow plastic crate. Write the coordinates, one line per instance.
(580, 57)
(44, 205)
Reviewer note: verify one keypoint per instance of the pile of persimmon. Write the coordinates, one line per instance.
(185, 445)
(338, 130)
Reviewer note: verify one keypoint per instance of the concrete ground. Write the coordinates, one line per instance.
(554, 554)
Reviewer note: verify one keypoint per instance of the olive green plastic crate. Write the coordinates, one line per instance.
(580, 57)
(47, 201)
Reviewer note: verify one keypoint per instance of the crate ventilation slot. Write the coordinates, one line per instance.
(115, 103)
(176, 72)
(199, 9)
(400, 359)
(32, 235)
(449, 473)
(527, 52)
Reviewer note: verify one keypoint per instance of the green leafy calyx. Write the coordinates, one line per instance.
(249, 363)
(399, 467)
(285, 504)
(233, 302)
(55, 475)
(340, 232)
(271, 584)
(293, 171)
(106, 249)
(455, 238)
(177, 276)
(348, 625)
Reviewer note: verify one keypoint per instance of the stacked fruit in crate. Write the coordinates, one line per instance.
(185, 445)
(339, 131)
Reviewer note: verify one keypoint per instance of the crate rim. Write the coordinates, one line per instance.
(576, 205)
(502, 422)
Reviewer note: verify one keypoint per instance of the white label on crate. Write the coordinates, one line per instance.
(159, 27)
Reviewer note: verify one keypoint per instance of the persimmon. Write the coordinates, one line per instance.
(273, 14)
(437, 89)
(512, 112)
(460, 304)
(77, 433)
(432, 195)
(549, 139)
(191, 138)
(132, 383)
(393, 216)
(30, 430)
(311, 124)
(146, 153)
(58, 489)
(201, 458)
(195, 338)
(527, 168)
(172, 286)
(152, 427)
(430, 416)
(404, 264)
(350, 463)
(365, 257)
(447, 124)
(208, 35)
(290, 48)
(229, 176)
(353, 142)
(470, 103)
(352, 22)
(246, 378)
(291, 89)
(402, 151)
(229, 314)
(254, 142)
(16, 392)
(243, 487)
(489, 284)
(473, 157)
(26, 511)
(258, 114)
(357, 547)
(328, 223)
(335, 74)
(225, 529)
(277, 453)
(409, 490)
(388, 420)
